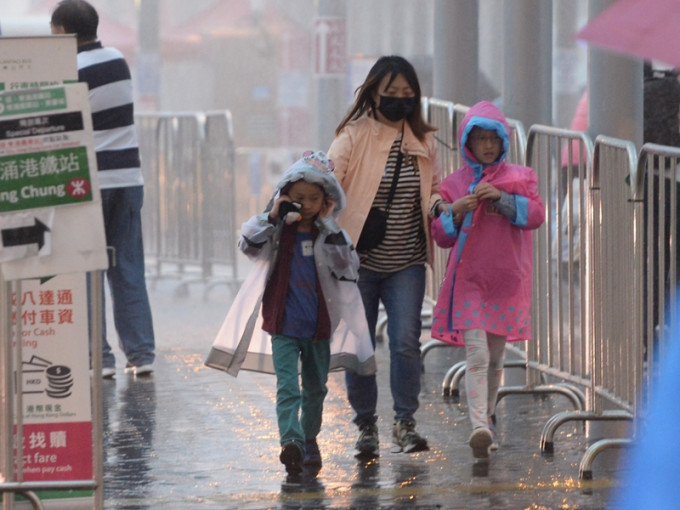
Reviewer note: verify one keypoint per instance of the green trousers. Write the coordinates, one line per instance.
(298, 410)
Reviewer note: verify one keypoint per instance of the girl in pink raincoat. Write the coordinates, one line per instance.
(485, 297)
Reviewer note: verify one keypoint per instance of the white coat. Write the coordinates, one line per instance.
(241, 342)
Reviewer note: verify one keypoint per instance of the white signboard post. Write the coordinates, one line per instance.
(51, 234)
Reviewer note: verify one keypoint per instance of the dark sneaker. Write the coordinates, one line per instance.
(368, 444)
(480, 440)
(312, 454)
(406, 438)
(494, 434)
(291, 457)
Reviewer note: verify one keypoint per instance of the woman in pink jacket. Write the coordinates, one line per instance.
(387, 163)
(486, 294)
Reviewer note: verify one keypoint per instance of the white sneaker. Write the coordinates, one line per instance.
(138, 370)
(108, 372)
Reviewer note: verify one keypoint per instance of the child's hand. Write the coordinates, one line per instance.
(465, 204)
(284, 209)
(486, 191)
(274, 211)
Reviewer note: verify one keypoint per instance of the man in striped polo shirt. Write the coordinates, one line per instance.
(120, 180)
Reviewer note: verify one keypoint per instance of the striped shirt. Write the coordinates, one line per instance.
(404, 244)
(115, 139)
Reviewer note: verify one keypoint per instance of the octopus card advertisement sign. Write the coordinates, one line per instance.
(54, 378)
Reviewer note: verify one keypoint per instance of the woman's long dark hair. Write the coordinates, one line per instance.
(392, 65)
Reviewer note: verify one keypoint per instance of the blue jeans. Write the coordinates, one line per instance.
(127, 285)
(299, 413)
(402, 293)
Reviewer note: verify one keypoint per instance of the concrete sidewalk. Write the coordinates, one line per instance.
(190, 437)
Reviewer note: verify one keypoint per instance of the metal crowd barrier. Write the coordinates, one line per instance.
(440, 114)
(188, 161)
(558, 347)
(612, 325)
(219, 201)
(658, 190)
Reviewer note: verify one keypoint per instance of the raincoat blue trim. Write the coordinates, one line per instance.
(522, 208)
(448, 224)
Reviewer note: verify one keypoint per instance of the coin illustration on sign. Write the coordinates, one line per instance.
(59, 381)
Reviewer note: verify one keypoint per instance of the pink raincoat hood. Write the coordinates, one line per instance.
(484, 115)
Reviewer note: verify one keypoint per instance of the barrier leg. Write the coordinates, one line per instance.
(543, 389)
(551, 426)
(448, 377)
(33, 498)
(585, 471)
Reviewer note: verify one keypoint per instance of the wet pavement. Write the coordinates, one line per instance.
(190, 437)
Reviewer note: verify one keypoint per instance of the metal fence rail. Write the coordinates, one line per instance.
(616, 301)
(188, 160)
(560, 296)
(612, 315)
(219, 196)
(559, 351)
(657, 188)
(598, 348)
(440, 115)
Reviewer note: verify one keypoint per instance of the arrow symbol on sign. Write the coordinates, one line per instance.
(25, 235)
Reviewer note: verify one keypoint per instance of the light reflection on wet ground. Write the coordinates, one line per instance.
(192, 437)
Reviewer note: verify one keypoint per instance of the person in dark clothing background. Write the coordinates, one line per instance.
(120, 181)
(662, 126)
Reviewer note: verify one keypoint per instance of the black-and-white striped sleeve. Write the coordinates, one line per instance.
(111, 101)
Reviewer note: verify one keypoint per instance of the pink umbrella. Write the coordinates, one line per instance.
(648, 29)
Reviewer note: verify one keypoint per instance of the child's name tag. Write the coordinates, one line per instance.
(307, 248)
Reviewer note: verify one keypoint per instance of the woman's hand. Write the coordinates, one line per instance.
(442, 207)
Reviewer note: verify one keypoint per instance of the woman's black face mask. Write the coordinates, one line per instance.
(396, 108)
